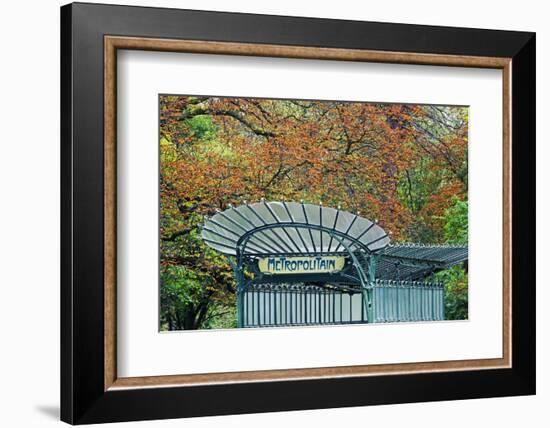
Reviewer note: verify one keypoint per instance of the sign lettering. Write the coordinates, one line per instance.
(298, 265)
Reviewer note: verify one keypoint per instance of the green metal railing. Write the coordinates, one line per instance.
(395, 301)
(269, 305)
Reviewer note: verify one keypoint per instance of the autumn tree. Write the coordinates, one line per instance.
(404, 165)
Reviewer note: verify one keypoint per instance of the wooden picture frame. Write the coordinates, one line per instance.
(91, 390)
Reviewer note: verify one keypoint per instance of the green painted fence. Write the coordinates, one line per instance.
(270, 305)
(395, 301)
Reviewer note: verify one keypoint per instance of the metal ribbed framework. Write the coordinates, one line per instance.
(291, 228)
(415, 261)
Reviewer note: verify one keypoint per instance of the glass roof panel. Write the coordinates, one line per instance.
(291, 228)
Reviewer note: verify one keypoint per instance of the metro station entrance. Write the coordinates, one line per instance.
(301, 264)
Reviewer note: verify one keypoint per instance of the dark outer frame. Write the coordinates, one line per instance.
(83, 396)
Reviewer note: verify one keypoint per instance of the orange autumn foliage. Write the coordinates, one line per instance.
(400, 164)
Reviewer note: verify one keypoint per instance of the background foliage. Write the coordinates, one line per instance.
(405, 165)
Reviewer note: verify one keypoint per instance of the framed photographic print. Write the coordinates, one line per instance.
(264, 213)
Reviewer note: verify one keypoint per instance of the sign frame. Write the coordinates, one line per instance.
(301, 265)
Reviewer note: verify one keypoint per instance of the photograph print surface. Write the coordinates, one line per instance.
(287, 212)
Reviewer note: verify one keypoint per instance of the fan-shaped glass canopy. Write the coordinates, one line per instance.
(267, 228)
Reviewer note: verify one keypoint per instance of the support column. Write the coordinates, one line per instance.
(240, 307)
(240, 288)
(363, 279)
(369, 289)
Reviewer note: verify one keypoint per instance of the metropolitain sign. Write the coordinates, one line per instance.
(298, 265)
